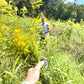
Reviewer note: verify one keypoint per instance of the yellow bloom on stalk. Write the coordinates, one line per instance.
(69, 21)
(10, 2)
(15, 40)
(16, 9)
(37, 6)
(35, 48)
(47, 38)
(22, 44)
(32, 6)
(17, 31)
(4, 27)
(77, 25)
(31, 3)
(24, 8)
(46, 20)
(25, 42)
(40, 4)
(26, 50)
(23, 37)
(1, 35)
(11, 7)
(31, 30)
(38, 27)
(71, 26)
(28, 34)
(3, 3)
(36, 20)
(39, 20)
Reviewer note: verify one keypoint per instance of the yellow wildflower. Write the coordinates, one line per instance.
(11, 7)
(15, 40)
(3, 3)
(1, 35)
(35, 20)
(47, 38)
(22, 44)
(16, 9)
(26, 50)
(10, 2)
(17, 31)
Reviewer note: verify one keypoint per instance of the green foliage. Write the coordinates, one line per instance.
(20, 48)
(36, 6)
(21, 45)
(65, 53)
(57, 9)
(32, 6)
(63, 70)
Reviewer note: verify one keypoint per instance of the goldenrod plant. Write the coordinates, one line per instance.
(14, 42)
(20, 48)
(23, 11)
(36, 5)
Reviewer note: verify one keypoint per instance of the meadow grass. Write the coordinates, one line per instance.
(65, 53)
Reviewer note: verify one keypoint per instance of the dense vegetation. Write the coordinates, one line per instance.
(20, 48)
(55, 9)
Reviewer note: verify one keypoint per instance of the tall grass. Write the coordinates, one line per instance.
(20, 48)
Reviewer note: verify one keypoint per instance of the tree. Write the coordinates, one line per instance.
(80, 13)
(33, 9)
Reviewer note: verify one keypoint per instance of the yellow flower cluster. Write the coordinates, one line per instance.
(3, 3)
(25, 43)
(36, 4)
(19, 40)
(37, 20)
(23, 10)
(15, 9)
(17, 31)
(47, 38)
(3, 28)
(6, 9)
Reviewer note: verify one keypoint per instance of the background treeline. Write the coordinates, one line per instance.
(55, 9)
(21, 48)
